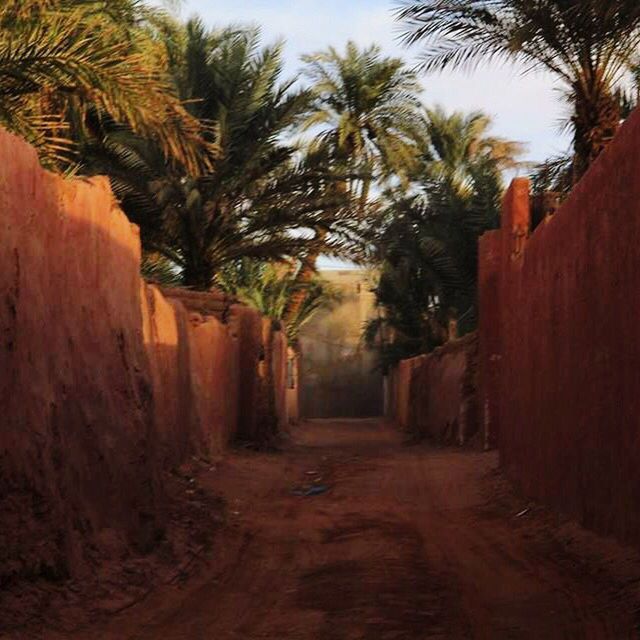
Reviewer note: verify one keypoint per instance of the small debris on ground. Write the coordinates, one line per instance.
(311, 491)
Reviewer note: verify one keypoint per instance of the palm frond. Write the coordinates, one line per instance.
(59, 57)
(588, 45)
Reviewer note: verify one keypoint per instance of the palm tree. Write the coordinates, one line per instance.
(367, 122)
(554, 175)
(418, 276)
(60, 58)
(367, 110)
(268, 287)
(587, 44)
(428, 239)
(457, 142)
(262, 196)
(349, 223)
(462, 181)
(428, 252)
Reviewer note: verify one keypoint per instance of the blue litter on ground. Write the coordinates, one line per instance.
(312, 491)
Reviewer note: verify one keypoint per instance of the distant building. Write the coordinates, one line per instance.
(337, 376)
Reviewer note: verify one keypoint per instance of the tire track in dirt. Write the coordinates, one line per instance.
(401, 547)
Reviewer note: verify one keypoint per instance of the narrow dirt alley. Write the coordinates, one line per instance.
(403, 545)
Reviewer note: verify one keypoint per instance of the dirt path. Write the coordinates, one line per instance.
(402, 546)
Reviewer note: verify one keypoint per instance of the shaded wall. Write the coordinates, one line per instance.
(250, 332)
(105, 383)
(279, 364)
(562, 347)
(293, 386)
(76, 392)
(214, 384)
(337, 373)
(489, 266)
(246, 325)
(434, 396)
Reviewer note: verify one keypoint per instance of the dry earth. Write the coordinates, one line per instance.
(407, 543)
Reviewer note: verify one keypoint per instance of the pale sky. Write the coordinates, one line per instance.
(528, 109)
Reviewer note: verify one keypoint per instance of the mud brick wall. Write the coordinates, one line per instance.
(435, 395)
(560, 347)
(106, 383)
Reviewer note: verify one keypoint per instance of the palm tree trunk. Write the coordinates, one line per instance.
(305, 276)
(595, 121)
(197, 273)
(309, 263)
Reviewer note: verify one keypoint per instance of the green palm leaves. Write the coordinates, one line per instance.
(367, 122)
(457, 142)
(58, 58)
(428, 242)
(263, 195)
(587, 44)
(367, 109)
(269, 288)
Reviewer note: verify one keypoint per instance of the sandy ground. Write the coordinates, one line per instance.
(409, 542)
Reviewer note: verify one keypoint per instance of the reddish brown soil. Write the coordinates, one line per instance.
(408, 543)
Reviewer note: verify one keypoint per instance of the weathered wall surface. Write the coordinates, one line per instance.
(105, 382)
(399, 404)
(166, 332)
(338, 376)
(246, 325)
(567, 388)
(292, 394)
(76, 392)
(489, 345)
(194, 362)
(214, 376)
(280, 349)
(435, 395)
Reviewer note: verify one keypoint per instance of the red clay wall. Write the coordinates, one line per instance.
(489, 344)
(214, 379)
(292, 394)
(434, 395)
(280, 349)
(77, 452)
(105, 384)
(399, 403)
(246, 325)
(567, 385)
(194, 366)
(166, 335)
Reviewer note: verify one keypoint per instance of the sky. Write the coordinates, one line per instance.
(527, 108)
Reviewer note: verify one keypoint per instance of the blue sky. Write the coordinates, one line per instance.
(528, 109)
